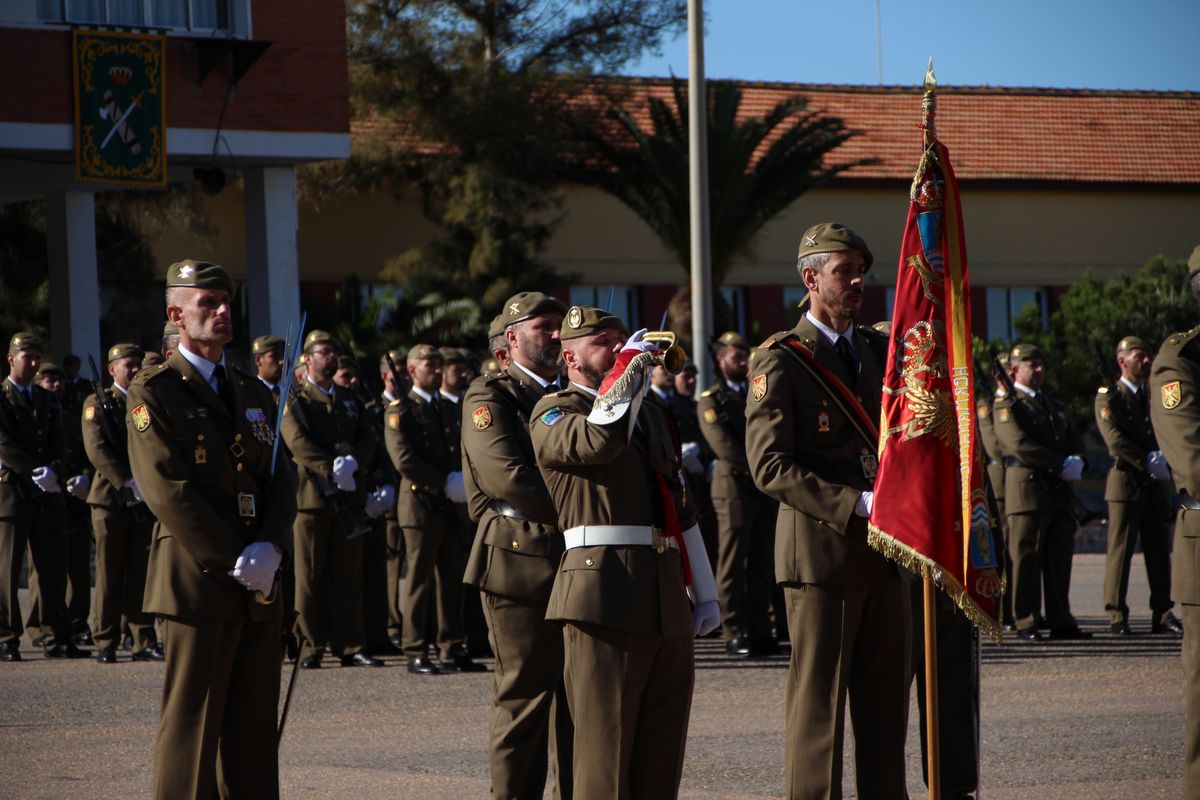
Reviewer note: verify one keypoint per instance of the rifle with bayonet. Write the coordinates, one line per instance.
(113, 427)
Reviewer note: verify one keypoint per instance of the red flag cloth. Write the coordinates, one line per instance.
(930, 510)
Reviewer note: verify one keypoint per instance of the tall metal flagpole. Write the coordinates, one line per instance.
(701, 285)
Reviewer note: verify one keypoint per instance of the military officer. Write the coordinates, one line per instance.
(388, 477)
(329, 437)
(268, 361)
(847, 607)
(745, 516)
(611, 464)
(415, 435)
(170, 339)
(984, 414)
(120, 519)
(200, 451)
(1043, 456)
(490, 368)
(1138, 494)
(497, 343)
(516, 552)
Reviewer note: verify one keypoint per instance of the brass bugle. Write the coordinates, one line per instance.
(671, 356)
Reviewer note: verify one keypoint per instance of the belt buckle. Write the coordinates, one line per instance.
(659, 541)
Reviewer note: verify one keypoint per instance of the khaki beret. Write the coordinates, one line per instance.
(125, 350)
(833, 237)
(169, 329)
(526, 305)
(424, 352)
(883, 326)
(200, 275)
(25, 340)
(1132, 343)
(454, 355)
(49, 368)
(733, 339)
(490, 368)
(317, 337)
(152, 358)
(586, 320)
(1004, 359)
(1194, 262)
(265, 344)
(1024, 351)
(496, 326)
(347, 362)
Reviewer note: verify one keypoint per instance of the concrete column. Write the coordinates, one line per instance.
(272, 258)
(74, 285)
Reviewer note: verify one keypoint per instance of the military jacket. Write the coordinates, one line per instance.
(336, 425)
(804, 453)
(608, 475)
(1036, 437)
(205, 472)
(110, 458)
(722, 413)
(985, 417)
(31, 436)
(452, 425)
(415, 435)
(514, 555)
(1175, 412)
(1123, 420)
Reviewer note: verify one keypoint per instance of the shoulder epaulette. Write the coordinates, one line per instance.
(710, 390)
(871, 331)
(774, 339)
(149, 373)
(397, 402)
(1102, 390)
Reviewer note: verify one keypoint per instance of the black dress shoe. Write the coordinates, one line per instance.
(360, 660)
(107, 655)
(423, 666)
(384, 648)
(1168, 623)
(738, 646)
(148, 654)
(1072, 633)
(460, 663)
(1121, 628)
(10, 650)
(84, 639)
(312, 662)
(68, 650)
(761, 648)
(127, 642)
(1029, 634)
(397, 641)
(40, 640)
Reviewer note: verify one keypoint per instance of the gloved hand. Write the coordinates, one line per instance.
(137, 493)
(635, 343)
(1156, 465)
(256, 566)
(705, 618)
(866, 502)
(387, 497)
(79, 485)
(456, 490)
(344, 468)
(373, 508)
(46, 480)
(689, 454)
(1072, 468)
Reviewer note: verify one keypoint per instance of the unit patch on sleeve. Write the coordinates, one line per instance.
(552, 416)
(482, 417)
(710, 415)
(141, 417)
(1172, 395)
(758, 387)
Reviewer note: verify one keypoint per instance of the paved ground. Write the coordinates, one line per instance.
(1100, 719)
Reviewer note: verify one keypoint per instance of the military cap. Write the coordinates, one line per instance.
(169, 329)
(423, 352)
(49, 368)
(526, 305)
(199, 275)
(265, 344)
(1024, 351)
(733, 339)
(1005, 359)
(25, 340)
(124, 350)
(833, 237)
(347, 362)
(490, 368)
(454, 355)
(1132, 343)
(316, 337)
(152, 358)
(496, 326)
(883, 326)
(586, 320)
(1194, 262)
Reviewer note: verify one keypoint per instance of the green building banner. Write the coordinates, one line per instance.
(120, 108)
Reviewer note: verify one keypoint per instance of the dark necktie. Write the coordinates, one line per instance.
(224, 391)
(848, 358)
(1140, 398)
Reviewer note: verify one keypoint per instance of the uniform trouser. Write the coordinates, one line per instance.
(529, 702)
(217, 729)
(958, 692)
(122, 551)
(1147, 517)
(43, 532)
(746, 564)
(630, 697)
(79, 572)
(856, 641)
(395, 571)
(1191, 671)
(475, 627)
(1042, 545)
(996, 475)
(436, 562)
(375, 591)
(328, 585)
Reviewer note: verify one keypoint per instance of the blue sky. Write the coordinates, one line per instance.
(1088, 44)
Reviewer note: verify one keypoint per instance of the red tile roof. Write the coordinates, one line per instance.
(1005, 134)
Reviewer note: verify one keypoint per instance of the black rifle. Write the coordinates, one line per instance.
(397, 380)
(114, 432)
(1106, 378)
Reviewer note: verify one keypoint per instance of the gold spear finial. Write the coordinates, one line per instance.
(929, 104)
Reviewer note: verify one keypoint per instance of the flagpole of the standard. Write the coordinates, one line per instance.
(701, 273)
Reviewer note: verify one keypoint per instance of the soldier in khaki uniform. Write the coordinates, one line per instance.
(268, 362)
(388, 477)
(120, 519)
(415, 435)
(1138, 493)
(847, 607)
(984, 414)
(329, 437)
(745, 516)
(200, 450)
(515, 555)
(612, 466)
(1043, 457)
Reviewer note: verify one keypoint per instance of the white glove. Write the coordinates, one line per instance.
(380, 500)
(387, 497)
(79, 485)
(46, 480)
(1072, 469)
(373, 508)
(1156, 465)
(456, 490)
(635, 343)
(344, 468)
(705, 618)
(256, 566)
(689, 454)
(865, 504)
(137, 493)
